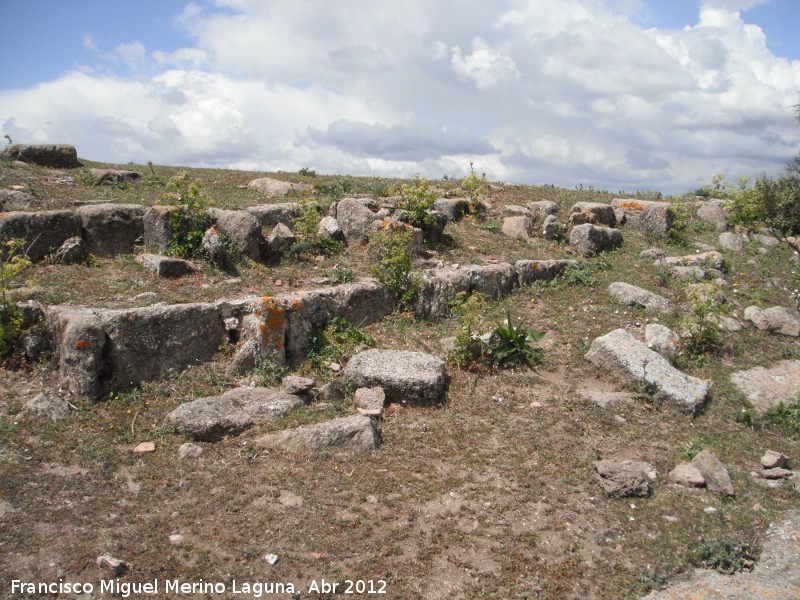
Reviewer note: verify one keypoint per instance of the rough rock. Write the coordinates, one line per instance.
(714, 473)
(189, 450)
(42, 231)
(777, 319)
(662, 339)
(635, 296)
(596, 213)
(731, 241)
(605, 399)
(212, 418)
(529, 271)
(242, 228)
(72, 252)
(776, 473)
(280, 238)
(710, 260)
(355, 219)
(328, 228)
(165, 266)
(714, 213)
(394, 226)
(100, 176)
(653, 253)
(452, 208)
(215, 249)
(541, 209)
(551, 228)
(405, 376)
(157, 228)
(514, 210)
(629, 358)
(774, 460)
(111, 229)
(269, 215)
(357, 433)
(656, 218)
(625, 478)
(370, 401)
(275, 187)
(47, 405)
(768, 241)
(17, 200)
(768, 388)
(590, 239)
(518, 228)
(687, 475)
(56, 156)
(294, 384)
(79, 342)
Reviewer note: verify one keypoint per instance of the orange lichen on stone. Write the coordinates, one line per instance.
(272, 315)
(297, 303)
(631, 205)
(393, 225)
(81, 344)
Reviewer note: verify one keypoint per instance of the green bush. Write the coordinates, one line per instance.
(338, 339)
(467, 348)
(509, 344)
(305, 228)
(786, 416)
(390, 249)
(475, 187)
(704, 335)
(418, 199)
(190, 222)
(725, 554)
(13, 262)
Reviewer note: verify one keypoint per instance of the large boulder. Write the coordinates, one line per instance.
(275, 187)
(713, 212)
(632, 295)
(355, 219)
(590, 239)
(242, 228)
(656, 218)
(11, 199)
(57, 156)
(101, 176)
(542, 208)
(627, 357)
(356, 433)
(80, 341)
(405, 376)
(776, 319)
(43, 232)
(111, 229)
(595, 213)
(212, 418)
(529, 271)
(518, 227)
(767, 388)
(269, 215)
(452, 208)
(157, 227)
(165, 266)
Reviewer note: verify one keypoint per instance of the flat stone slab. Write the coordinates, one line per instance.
(620, 352)
(215, 417)
(768, 388)
(777, 574)
(635, 296)
(711, 260)
(776, 319)
(356, 433)
(165, 266)
(405, 376)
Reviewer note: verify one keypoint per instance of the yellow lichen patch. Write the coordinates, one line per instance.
(534, 266)
(272, 315)
(631, 205)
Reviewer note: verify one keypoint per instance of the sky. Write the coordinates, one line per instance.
(628, 95)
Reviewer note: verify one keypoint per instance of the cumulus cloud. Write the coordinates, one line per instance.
(537, 91)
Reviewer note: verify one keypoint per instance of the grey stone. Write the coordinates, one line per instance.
(100, 176)
(605, 399)
(17, 200)
(529, 271)
(405, 376)
(294, 384)
(34, 345)
(56, 156)
(43, 232)
(394, 226)
(275, 187)
(452, 208)
(357, 433)
(551, 228)
(635, 296)
(47, 405)
(731, 241)
(656, 218)
(629, 358)
(370, 401)
(165, 266)
(214, 248)
(328, 228)
(776, 473)
(242, 228)
(157, 228)
(79, 343)
(355, 219)
(625, 478)
(333, 391)
(776, 319)
(269, 215)
(772, 460)
(189, 450)
(514, 210)
(280, 238)
(541, 209)
(590, 239)
(714, 213)
(710, 260)
(768, 388)
(595, 213)
(661, 339)
(72, 252)
(653, 253)
(689, 273)
(714, 472)
(212, 418)
(518, 228)
(111, 229)
(687, 475)
(767, 241)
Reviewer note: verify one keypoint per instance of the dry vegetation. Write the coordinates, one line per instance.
(490, 495)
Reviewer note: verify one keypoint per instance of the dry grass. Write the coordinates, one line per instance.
(490, 495)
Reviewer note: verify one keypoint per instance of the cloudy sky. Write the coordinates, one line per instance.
(618, 94)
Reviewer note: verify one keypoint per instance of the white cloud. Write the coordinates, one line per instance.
(538, 91)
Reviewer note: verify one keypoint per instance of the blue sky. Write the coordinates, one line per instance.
(619, 94)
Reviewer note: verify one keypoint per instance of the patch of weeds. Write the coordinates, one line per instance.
(13, 262)
(663, 274)
(580, 273)
(475, 187)
(789, 352)
(786, 416)
(703, 335)
(417, 201)
(390, 250)
(153, 178)
(725, 554)
(335, 189)
(84, 177)
(337, 340)
(467, 348)
(644, 392)
(305, 227)
(692, 447)
(492, 225)
(652, 580)
(683, 218)
(509, 344)
(267, 372)
(342, 274)
(189, 224)
(306, 172)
